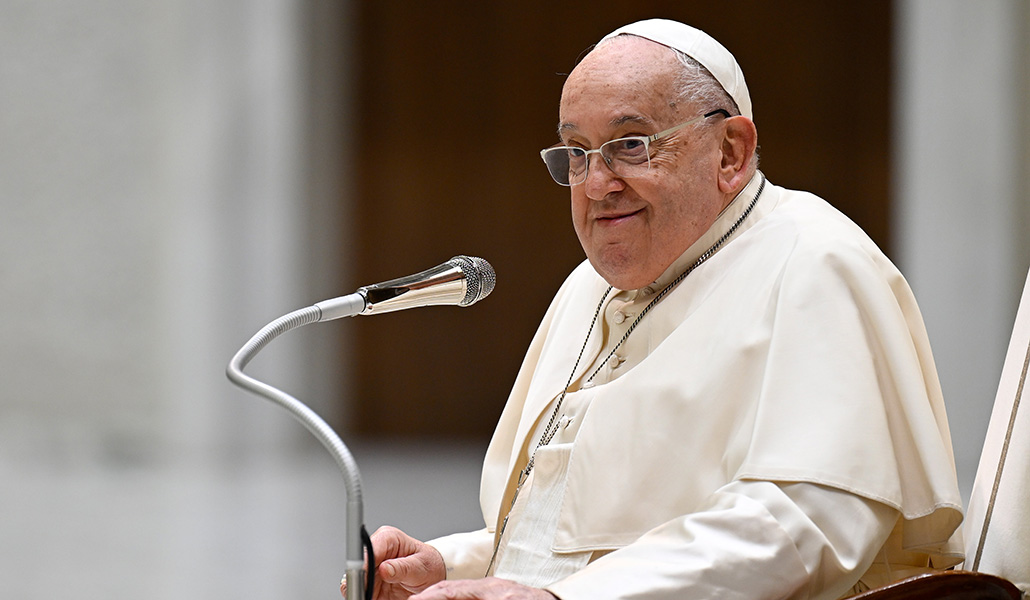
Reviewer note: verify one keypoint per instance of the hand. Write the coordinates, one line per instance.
(404, 565)
(490, 588)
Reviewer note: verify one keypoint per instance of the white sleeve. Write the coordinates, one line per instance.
(754, 540)
(466, 555)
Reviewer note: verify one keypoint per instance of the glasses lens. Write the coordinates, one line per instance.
(627, 157)
(567, 165)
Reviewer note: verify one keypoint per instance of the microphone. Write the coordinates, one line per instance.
(461, 281)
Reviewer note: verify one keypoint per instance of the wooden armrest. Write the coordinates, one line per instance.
(946, 585)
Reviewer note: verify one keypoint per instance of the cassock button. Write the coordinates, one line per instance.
(615, 361)
(619, 317)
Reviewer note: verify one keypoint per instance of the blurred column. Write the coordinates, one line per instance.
(170, 180)
(961, 233)
(252, 101)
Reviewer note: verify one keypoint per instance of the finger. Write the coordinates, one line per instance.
(462, 589)
(490, 588)
(408, 569)
(390, 542)
(451, 590)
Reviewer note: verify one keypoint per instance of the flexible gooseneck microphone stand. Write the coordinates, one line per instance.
(460, 281)
(357, 536)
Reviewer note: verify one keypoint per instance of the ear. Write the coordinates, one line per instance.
(740, 138)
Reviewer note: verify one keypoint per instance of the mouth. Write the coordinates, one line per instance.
(617, 218)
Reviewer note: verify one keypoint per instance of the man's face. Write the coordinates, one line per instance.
(633, 229)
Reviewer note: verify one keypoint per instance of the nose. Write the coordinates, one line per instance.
(601, 180)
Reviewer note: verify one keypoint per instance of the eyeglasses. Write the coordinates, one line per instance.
(626, 157)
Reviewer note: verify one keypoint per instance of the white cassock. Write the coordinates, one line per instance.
(772, 428)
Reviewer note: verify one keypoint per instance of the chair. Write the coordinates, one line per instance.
(997, 525)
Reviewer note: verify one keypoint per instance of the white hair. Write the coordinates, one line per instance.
(698, 85)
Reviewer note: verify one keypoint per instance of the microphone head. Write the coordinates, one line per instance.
(479, 278)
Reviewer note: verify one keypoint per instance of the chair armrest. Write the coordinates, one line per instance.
(945, 585)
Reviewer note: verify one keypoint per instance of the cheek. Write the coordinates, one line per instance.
(665, 162)
(579, 205)
(579, 220)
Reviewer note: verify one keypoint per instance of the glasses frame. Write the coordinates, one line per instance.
(645, 139)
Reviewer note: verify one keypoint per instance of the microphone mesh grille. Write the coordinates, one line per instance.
(479, 278)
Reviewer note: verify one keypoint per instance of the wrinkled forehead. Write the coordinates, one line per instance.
(625, 78)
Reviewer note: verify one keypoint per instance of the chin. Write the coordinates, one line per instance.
(628, 284)
(622, 280)
(621, 271)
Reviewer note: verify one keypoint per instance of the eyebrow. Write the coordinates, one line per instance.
(616, 122)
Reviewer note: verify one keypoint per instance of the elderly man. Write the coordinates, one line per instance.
(733, 397)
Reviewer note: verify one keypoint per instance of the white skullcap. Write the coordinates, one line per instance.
(701, 47)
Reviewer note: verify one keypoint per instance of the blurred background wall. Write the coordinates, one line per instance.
(174, 175)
